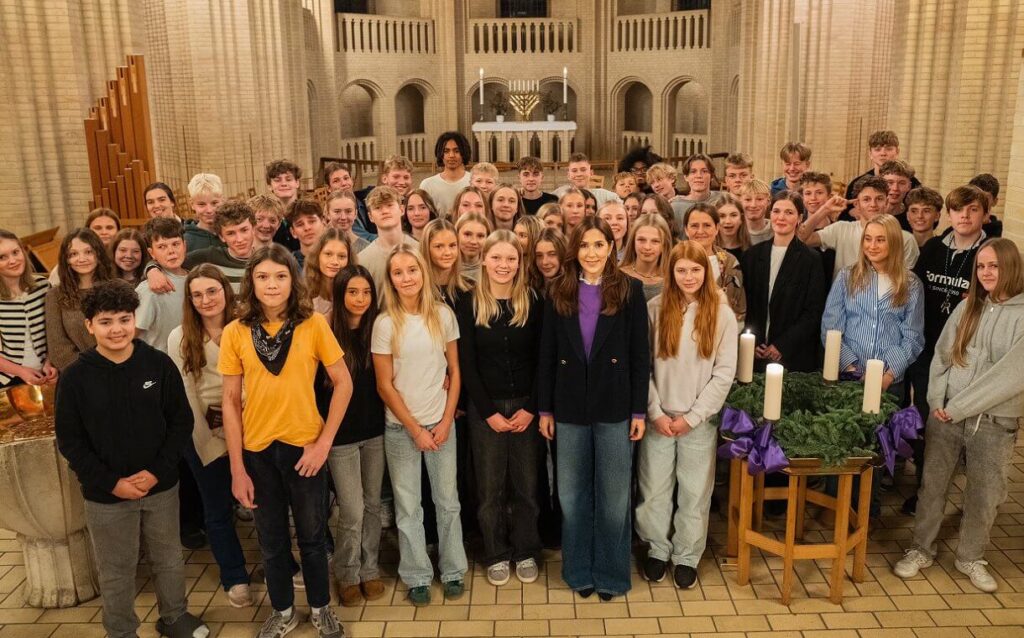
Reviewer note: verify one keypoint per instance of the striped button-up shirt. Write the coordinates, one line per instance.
(872, 327)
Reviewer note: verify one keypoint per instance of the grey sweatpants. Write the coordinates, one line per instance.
(115, 529)
(988, 444)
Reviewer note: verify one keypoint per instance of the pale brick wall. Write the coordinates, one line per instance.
(954, 97)
(235, 84)
(56, 57)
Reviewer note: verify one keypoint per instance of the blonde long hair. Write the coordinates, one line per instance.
(427, 303)
(895, 267)
(654, 221)
(457, 282)
(1010, 284)
(673, 305)
(485, 306)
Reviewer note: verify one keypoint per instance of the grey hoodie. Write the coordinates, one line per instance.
(992, 382)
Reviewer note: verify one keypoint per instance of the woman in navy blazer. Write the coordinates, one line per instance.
(594, 369)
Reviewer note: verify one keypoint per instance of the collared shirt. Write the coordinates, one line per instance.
(874, 328)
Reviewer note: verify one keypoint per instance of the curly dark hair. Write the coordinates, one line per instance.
(460, 141)
(637, 154)
(280, 167)
(232, 214)
(114, 295)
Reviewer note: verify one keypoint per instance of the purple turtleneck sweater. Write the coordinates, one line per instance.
(590, 309)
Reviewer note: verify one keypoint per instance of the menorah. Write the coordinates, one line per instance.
(524, 96)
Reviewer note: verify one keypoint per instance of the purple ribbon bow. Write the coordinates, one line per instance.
(894, 436)
(757, 444)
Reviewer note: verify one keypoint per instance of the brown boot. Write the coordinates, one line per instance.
(351, 596)
(373, 589)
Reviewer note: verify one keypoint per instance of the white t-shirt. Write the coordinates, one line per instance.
(443, 192)
(419, 363)
(884, 285)
(778, 254)
(375, 258)
(844, 238)
(157, 314)
(601, 195)
(765, 234)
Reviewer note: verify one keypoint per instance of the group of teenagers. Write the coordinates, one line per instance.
(294, 352)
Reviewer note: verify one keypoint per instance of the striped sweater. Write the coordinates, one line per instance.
(23, 324)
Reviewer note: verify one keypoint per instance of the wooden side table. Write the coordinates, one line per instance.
(746, 499)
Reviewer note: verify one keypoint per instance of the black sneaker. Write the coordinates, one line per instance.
(685, 576)
(193, 540)
(654, 569)
(910, 506)
(586, 592)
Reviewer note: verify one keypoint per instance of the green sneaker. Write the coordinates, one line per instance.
(420, 596)
(454, 589)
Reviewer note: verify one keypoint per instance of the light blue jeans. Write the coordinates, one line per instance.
(403, 457)
(666, 462)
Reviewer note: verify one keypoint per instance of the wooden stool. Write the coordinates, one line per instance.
(746, 499)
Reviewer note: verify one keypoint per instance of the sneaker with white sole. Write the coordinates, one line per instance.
(240, 596)
(277, 625)
(499, 573)
(978, 573)
(326, 623)
(913, 561)
(526, 570)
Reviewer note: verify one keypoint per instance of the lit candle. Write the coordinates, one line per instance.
(873, 386)
(773, 392)
(481, 86)
(745, 364)
(565, 85)
(833, 344)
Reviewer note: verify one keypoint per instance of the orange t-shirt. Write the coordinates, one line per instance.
(279, 407)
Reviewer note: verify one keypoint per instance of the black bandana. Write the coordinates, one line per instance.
(273, 351)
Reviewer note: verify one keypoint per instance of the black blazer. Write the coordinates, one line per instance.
(796, 306)
(612, 384)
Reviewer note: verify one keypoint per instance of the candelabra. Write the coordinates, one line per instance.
(524, 97)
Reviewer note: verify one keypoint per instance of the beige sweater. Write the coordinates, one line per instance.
(66, 335)
(686, 384)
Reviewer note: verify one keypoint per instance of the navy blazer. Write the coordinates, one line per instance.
(609, 386)
(796, 305)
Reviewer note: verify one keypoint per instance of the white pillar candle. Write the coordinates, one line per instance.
(481, 86)
(833, 344)
(745, 363)
(873, 386)
(773, 392)
(565, 85)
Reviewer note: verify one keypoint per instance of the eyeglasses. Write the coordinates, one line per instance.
(212, 293)
(638, 170)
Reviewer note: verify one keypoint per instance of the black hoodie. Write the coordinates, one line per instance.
(116, 419)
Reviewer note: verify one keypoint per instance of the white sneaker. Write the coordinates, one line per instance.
(912, 562)
(526, 570)
(499, 573)
(980, 577)
(240, 595)
(277, 624)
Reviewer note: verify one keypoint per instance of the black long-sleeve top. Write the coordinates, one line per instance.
(500, 361)
(117, 419)
(364, 418)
